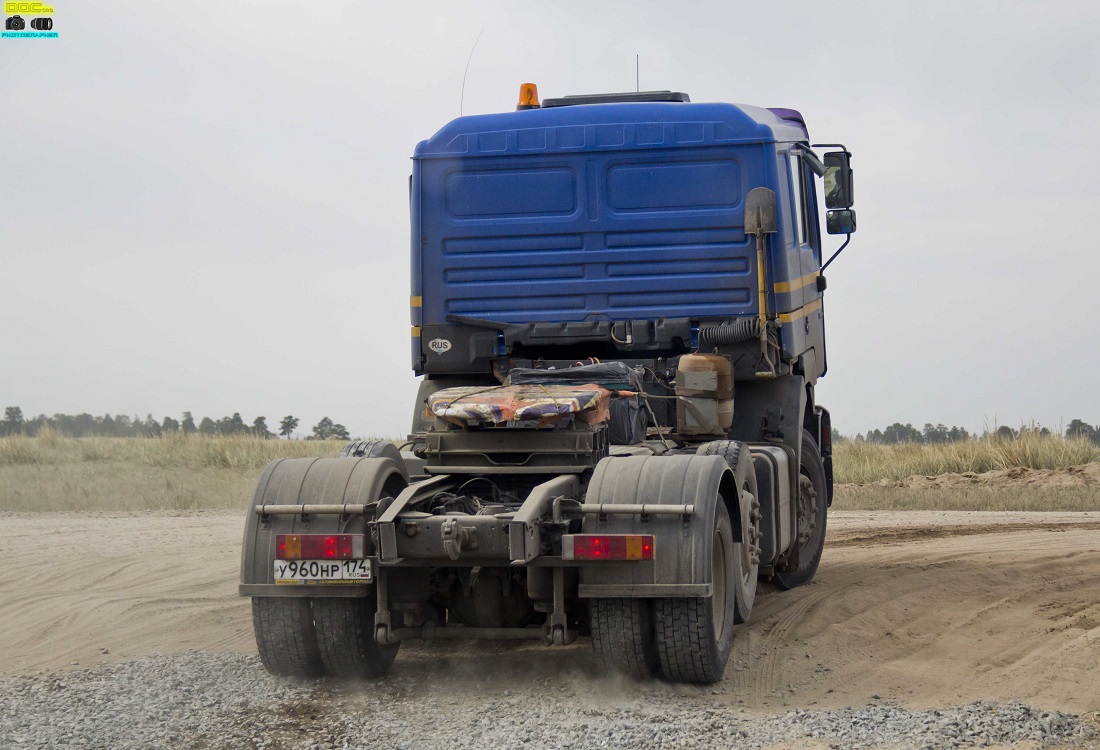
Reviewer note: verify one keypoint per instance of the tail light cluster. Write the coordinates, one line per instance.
(607, 547)
(320, 546)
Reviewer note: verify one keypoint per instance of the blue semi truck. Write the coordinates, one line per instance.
(617, 314)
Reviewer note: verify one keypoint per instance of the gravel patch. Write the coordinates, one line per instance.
(157, 702)
(201, 700)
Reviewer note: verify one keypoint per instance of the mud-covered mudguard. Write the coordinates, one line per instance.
(683, 543)
(320, 481)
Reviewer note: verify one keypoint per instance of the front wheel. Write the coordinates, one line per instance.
(812, 502)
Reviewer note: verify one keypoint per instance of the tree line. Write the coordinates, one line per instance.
(121, 425)
(940, 434)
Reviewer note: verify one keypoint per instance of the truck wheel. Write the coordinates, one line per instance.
(694, 636)
(289, 633)
(345, 634)
(622, 636)
(285, 637)
(371, 449)
(812, 500)
(746, 558)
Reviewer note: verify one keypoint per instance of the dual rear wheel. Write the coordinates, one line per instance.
(689, 639)
(312, 637)
(315, 636)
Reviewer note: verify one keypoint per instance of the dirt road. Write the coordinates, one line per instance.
(915, 608)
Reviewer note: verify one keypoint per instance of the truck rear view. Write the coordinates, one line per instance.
(617, 311)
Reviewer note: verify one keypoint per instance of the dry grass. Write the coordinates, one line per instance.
(865, 473)
(986, 498)
(187, 452)
(862, 463)
(53, 472)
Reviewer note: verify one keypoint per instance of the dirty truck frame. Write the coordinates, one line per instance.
(617, 308)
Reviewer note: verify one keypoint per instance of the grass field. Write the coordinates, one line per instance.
(52, 472)
(862, 463)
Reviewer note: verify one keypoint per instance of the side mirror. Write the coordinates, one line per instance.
(838, 181)
(840, 221)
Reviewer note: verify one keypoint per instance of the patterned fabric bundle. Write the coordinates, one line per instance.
(480, 406)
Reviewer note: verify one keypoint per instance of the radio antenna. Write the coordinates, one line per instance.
(462, 96)
(637, 73)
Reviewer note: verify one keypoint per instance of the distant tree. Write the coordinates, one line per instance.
(13, 421)
(259, 428)
(233, 425)
(1004, 432)
(151, 427)
(339, 432)
(83, 425)
(208, 427)
(122, 428)
(323, 429)
(1079, 428)
(958, 435)
(106, 425)
(62, 423)
(287, 426)
(935, 434)
(33, 426)
(901, 433)
(170, 426)
(188, 424)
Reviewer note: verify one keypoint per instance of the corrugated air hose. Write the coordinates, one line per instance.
(731, 332)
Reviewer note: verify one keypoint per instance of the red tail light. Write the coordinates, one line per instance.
(607, 547)
(320, 546)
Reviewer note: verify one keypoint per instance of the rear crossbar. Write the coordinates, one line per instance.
(307, 510)
(644, 509)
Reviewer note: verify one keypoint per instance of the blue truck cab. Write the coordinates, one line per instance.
(614, 227)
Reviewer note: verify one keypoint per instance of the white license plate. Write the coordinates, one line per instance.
(322, 571)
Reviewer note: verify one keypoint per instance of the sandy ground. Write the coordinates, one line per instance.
(917, 608)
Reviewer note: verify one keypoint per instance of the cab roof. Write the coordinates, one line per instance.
(612, 126)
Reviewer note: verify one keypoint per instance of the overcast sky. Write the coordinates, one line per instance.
(204, 206)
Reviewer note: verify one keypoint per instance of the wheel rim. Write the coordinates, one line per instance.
(718, 578)
(750, 547)
(807, 509)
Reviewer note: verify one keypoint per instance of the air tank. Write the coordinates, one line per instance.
(704, 386)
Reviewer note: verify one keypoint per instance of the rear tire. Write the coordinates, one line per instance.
(746, 559)
(622, 636)
(694, 636)
(285, 637)
(345, 635)
(811, 509)
(371, 449)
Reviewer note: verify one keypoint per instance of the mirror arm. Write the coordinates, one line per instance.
(847, 239)
(815, 163)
